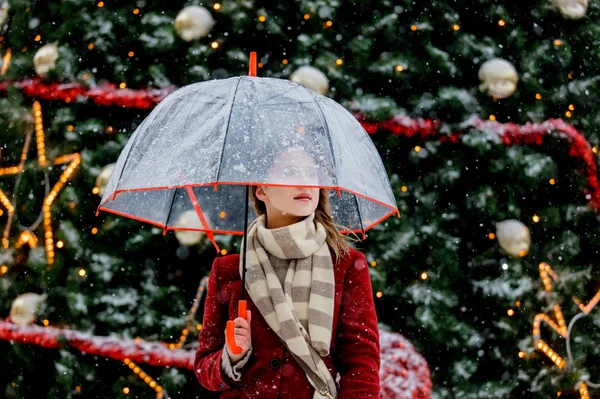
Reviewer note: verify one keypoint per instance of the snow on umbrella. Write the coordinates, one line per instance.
(204, 144)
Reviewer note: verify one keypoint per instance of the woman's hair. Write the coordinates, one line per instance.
(335, 239)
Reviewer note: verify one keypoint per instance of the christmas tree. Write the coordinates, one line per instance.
(483, 112)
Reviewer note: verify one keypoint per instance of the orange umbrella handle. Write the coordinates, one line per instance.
(230, 333)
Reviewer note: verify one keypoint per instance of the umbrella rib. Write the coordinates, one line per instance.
(170, 208)
(362, 228)
(227, 129)
(127, 157)
(326, 127)
(200, 214)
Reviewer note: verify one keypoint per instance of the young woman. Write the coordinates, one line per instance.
(312, 328)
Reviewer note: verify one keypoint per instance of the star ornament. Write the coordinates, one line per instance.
(7, 205)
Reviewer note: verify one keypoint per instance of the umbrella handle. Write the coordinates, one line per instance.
(230, 333)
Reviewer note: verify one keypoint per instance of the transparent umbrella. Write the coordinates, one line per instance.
(202, 146)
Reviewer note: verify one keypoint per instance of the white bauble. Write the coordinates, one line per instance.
(311, 78)
(3, 12)
(193, 22)
(45, 58)
(571, 9)
(24, 307)
(498, 78)
(514, 237)
(102, 178)
(188, 219)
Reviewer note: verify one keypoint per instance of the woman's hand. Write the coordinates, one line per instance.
(243, 337)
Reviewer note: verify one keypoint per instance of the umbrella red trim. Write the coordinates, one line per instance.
(338, 188)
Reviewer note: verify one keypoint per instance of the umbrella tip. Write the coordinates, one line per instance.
(252, 70)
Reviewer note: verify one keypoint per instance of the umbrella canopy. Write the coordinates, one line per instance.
(201, 145)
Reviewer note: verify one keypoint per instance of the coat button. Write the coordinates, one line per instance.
(275, 363)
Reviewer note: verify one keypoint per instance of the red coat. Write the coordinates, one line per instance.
(271, 372)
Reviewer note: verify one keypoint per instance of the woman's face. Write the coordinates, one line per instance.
(291, 167)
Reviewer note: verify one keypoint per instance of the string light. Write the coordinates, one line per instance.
(510, 312)
(145, 377)
(552, 182)
(339, 62)
(413, 28)
(122, 85)
(456, 27)
(583, 391)
(328, 24)
(91, 46)
(26, 238)
(37, 38)
(492, 117)
(306, 16)
(136, 11)
(101, 4)
(223, 251)
(3, 269)
(190, 318)
(262, 18)
(131, 54)
(558, 42)
(535, 218)
(74, 161)
(568, 114)
(522, 354)
(94, 230)
(571, 107)
(373, 263)
(404, 189)
(570, 76)
(538, 96)
(588, 308)
(95, 190)
(501, 22)
(126, 390)
(46, 322)
(424, 276)
(547, 274)
(82, 272)
(379, 294)
(6, 61)
(417, 148)
(214, 45)
(217, 6)
(39, 133)
(595, 150)
(222, 214)
(491, 236)
(399, 68)
(284, 61)
(60, 244)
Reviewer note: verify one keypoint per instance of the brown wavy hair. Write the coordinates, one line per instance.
(336, 240)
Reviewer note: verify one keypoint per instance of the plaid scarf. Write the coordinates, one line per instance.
(300, 313)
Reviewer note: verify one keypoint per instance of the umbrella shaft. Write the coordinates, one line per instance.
(245, 241)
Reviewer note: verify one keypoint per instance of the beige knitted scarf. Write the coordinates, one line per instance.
(300, 313)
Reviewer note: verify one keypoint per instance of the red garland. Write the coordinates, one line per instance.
(107, 94)
(511, 134)
(404, 372)
(137, 350)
